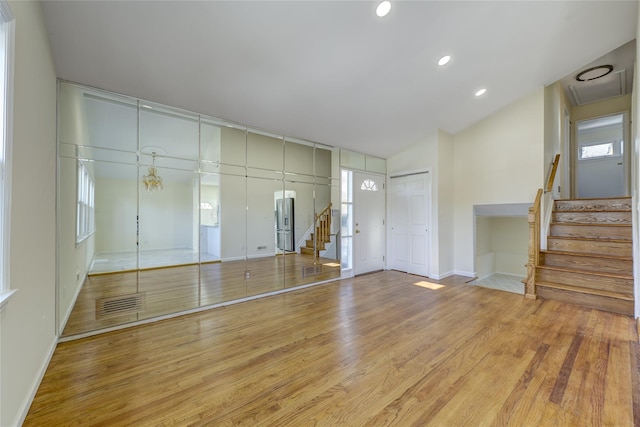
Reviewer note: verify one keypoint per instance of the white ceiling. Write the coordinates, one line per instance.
(332, 71)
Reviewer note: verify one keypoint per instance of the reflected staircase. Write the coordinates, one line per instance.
(321, 236)
(588, 260)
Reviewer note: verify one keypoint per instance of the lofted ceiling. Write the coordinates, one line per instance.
(332, 71)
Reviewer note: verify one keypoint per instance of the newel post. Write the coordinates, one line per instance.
(534, 247)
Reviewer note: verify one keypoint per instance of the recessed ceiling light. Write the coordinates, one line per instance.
(444, 60)
(383, 8)
(481, 92)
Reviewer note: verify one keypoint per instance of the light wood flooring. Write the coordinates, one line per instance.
(502, 282)
(382, 349)
(179, 288)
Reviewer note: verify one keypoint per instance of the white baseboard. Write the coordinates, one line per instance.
(441, 276)
(464, 273)
(26, 405)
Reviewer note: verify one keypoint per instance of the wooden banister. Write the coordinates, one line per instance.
(534, 245)
(552, 174)
(323, 226)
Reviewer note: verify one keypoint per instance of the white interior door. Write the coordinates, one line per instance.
(410, 211)
(369, 229)
(601, 157)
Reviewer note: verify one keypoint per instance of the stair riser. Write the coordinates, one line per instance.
(591, 246)
(319, 245)
(602, 232)
(593, 217)
(606, 265)
(623, 204)
(306, 251)
(585, 280)
(593, 301)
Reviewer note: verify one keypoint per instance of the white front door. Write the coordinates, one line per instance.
(601, 157)
(369, 229)
(410, 210)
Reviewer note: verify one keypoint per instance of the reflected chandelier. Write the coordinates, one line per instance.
(152, 181)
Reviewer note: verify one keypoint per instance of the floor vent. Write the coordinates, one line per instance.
(115, 306)
(311, 270)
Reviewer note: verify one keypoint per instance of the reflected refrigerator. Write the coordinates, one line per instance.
(284, 224)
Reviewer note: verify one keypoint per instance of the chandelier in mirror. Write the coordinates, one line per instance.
(152, 181)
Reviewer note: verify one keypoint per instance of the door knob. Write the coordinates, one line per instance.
(357, 231)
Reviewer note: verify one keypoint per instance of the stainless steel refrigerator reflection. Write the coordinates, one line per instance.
(284, 224)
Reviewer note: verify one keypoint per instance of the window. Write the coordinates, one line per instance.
(85, 219)
(597, 150)
(369, 185)
(6, 141)
(346, 215)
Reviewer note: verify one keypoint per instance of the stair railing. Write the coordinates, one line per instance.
(536, 231)
(552, 174)
(323, 226)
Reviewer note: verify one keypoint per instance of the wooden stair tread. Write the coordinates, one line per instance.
(592, 273)
(591, 224)
(592, 211)
(588, 254)
(594, 198)
(599, 292)
(589, 239)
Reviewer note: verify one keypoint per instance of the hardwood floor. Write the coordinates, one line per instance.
(382, 349)
(173, 289)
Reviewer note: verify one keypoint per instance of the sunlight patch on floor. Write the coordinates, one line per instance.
(429, 285)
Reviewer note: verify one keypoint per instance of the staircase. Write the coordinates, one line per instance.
(589, 259)
(321, 236)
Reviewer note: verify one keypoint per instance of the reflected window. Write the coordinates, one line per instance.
(85, 218)
(209, 213)
(369, 185)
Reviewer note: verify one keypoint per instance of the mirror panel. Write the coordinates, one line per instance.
(223, 279)
(232, 217)
(233, 145)
(327, 236)
(90, 117)
(264, 151)
(210, 140)
(168, 132)
(109, 255)
(298, 158)
(269, 235)
(300, 267)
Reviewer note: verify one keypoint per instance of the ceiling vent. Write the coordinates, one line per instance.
(596, 89)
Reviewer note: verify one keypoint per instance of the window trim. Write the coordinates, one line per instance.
(8, 20)
(85, 204)
(612, 143)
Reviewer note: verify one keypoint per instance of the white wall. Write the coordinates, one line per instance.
(27, 325)
(555, 104)
(446, 193)
(498, 160)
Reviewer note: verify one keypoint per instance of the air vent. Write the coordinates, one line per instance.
(115, 306)
(311, 270)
